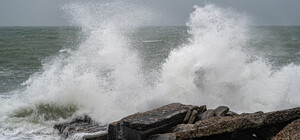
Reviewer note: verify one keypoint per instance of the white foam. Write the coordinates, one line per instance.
(101, 77)
(213, 70)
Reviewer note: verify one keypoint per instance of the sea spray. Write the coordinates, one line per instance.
(212, 69)
(99, 77)
(102, 75)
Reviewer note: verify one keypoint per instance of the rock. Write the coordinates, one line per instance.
(242, 136)
(207, 114)
(193, 117)
(182, 127)
(231, 113)
(248, 134)
(269, 131)
(201, 109)
(230, 124)
(82, 128)
(291, 132)
(141, 125)
(166, 123)
(221, 110)
(167, 136)
(94, 136)
(187, 116)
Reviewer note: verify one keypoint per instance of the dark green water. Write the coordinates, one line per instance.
(23, 49)
(281, 45)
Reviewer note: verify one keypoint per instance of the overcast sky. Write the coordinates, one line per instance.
(173, 12)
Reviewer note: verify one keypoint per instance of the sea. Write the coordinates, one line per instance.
(107, 69)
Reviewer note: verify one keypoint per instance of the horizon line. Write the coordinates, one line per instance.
(138, 26)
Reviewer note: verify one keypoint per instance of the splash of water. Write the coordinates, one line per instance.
(213, 70)
(99, 77)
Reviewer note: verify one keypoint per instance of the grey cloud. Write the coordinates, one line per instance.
(170, 12)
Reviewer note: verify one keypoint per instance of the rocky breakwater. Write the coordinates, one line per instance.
(178, 121)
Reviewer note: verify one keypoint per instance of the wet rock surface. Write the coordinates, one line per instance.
(142, 125)
(178, 121)
(82, 128)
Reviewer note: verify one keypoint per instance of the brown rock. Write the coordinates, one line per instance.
(167, 136)
(291, 132)
(182, 127)
(221, 110)
(187, 116)
(201, 109)
(142, 125)
(229, 124)
(193, 117)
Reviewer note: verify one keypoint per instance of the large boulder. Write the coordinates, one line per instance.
(229, 124)
(221, 110)
(291, 132)
(141, 125)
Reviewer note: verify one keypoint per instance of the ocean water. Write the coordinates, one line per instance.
(109, 69)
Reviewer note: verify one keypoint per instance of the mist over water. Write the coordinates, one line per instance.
(104, 76)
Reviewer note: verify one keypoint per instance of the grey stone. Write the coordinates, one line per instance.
(207, 114)
(231, 113)
(193, 117)
(141, 125)
(201, 109)
(221, 110)
(187, 116)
